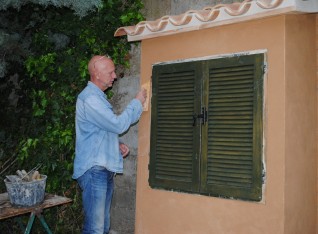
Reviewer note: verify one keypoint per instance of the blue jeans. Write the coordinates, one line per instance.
(97, 186)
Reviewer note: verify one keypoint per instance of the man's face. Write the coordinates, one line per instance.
(107, 75)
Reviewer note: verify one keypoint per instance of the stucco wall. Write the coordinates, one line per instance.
(301, 109)
(124, 198)
(167, 212)
(317, 102)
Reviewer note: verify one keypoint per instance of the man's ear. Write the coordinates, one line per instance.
(96, 75)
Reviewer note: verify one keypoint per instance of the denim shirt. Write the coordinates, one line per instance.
(97, 129)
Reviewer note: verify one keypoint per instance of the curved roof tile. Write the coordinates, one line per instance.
(214, 16)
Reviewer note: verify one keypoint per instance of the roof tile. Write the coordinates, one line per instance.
(214, 16)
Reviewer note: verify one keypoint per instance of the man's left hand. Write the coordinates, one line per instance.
(124, 150)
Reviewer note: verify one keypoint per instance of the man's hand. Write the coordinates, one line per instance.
(124, 150)
(141, 96)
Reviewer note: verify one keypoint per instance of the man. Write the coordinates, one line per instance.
(98, 153)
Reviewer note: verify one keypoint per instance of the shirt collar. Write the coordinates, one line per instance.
(96, 89)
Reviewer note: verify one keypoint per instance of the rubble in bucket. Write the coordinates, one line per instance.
(24, 176)
(26, 189)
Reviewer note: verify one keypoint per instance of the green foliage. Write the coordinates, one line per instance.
(80, 7)
(53, 73)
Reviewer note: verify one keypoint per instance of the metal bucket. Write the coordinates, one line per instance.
(25, 194)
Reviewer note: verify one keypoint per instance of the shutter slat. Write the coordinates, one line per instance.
(232, 101)
(183, 157)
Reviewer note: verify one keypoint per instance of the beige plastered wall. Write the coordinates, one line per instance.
(317, 107)
(301, 109)
(289, 204)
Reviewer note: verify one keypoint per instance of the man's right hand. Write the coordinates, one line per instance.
(142, 96)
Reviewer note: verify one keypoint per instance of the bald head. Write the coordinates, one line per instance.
(97, 62)
(102, 71)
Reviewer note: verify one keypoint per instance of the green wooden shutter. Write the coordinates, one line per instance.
(232, 148)
(175, 142)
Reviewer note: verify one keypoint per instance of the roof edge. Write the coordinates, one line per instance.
(221, 14)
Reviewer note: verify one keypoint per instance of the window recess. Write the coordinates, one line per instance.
(207, 127)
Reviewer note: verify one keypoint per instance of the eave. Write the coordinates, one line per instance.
(221, 14)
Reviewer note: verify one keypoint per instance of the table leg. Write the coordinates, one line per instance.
(44, 224)
(41, 218)
(30, 223)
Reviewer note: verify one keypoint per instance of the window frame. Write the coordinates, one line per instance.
(198, 185)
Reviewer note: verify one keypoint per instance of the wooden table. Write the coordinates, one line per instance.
(50, 200)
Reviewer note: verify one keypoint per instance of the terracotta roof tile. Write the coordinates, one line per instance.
(214, 16)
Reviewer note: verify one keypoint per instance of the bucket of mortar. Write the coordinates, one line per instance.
(26, 193)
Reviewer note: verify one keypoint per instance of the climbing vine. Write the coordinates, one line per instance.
(53, 72)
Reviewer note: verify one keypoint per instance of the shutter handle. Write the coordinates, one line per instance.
(203, 115)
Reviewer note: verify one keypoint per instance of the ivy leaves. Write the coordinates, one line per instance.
(57, 73)
(45, 63)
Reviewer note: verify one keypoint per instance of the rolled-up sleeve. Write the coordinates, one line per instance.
(99, 112)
